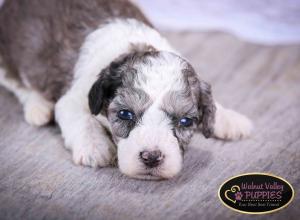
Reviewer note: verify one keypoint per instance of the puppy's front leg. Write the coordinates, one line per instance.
(83, 134)
(230, 124)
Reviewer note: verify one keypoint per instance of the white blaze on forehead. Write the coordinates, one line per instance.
(163, 73)
(154, 116)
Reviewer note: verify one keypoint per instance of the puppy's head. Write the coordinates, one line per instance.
(153, 101)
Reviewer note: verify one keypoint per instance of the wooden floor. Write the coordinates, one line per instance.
(38, 179)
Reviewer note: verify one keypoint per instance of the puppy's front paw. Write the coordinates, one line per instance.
(37, 110)
(93, 155)
(232, 125)
(91, 146)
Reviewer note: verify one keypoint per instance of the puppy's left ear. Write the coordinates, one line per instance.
(207, 108)
(104, 88)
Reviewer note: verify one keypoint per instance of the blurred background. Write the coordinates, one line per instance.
(259, 21)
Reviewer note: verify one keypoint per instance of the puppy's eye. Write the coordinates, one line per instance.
(185, 122)
(125, 115)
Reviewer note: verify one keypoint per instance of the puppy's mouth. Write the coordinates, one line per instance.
(148, 176)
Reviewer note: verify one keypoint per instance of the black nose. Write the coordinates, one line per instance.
(151, 158)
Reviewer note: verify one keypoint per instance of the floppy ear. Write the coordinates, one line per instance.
(104, 89)
(207, 108)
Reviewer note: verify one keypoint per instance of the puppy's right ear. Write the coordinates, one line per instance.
(104, 89)
(111, 78)
(208, 108)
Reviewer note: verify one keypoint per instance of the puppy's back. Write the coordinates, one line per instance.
(40, 40)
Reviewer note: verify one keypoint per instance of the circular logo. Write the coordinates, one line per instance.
(256, 193)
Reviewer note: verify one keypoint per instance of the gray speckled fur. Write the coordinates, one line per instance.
(123, 74)
(132, 99)
(40, 40)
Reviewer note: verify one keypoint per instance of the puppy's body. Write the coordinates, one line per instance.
(49, 34)
(97, 60)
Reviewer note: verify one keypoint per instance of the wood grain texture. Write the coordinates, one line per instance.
(39, 181)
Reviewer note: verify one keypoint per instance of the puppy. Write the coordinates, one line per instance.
(116, 86)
